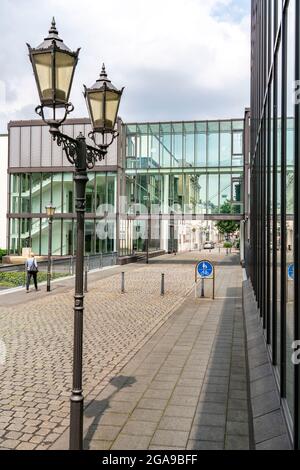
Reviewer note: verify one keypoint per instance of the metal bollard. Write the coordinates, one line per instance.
(162, 285)
(86, 279)
(123, 283)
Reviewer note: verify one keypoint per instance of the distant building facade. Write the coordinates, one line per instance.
(182, 173)
(3, 186)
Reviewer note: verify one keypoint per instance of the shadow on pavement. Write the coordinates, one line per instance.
(98, 407)
(223, 418)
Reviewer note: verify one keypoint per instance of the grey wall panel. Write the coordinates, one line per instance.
(57, 154)
(77, 129)
(36, 140)
(87, 130)
(68, 130)
(46, 147)
(112, 154)
(25, 147)
(14, 147)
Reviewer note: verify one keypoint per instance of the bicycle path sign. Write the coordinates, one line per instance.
(205, 270)
(291, 272)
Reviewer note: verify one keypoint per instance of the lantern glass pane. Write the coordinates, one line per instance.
(112, 103)
(64, 64)
(44, 74)
(96, 108)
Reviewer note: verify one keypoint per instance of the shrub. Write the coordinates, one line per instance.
(2, 253)
(227, 245)
(15, 279)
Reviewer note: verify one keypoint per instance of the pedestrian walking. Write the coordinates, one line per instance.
(31, 267)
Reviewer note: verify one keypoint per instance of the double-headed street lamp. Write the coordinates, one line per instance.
(50, 211)
(54, 65)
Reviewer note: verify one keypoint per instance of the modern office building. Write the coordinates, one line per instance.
(273, 246)
(3, 186)
(40, 173)
(186, 175)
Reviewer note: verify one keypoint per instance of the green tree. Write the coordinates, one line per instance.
(227, 227)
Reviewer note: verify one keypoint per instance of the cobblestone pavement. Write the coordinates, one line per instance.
(37, 331)
(187, 387)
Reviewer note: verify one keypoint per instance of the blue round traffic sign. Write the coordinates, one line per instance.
(291, 271)
(205, 269)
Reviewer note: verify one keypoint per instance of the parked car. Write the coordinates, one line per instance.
(209, 246)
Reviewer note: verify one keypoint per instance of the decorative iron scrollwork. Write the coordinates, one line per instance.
(69, 145)
(54, 123)
(104, 145)
(94, 155)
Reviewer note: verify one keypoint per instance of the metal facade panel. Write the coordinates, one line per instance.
(77, 129)
(36, 142)
(68, 130)
(46, 147)
(25, 147)
(57, 155)
(14, 147)
(87, 130)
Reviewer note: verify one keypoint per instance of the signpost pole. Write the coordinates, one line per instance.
(202, 288)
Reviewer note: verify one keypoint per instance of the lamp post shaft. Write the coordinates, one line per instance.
(76, 418)
(49, 254)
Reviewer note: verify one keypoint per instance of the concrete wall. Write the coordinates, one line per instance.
(3, 188)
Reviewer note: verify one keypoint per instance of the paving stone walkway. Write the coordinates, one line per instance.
(187, 387)
(37, 331)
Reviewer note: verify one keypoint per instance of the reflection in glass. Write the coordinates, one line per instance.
(290, 206)
(200, 157)
(90, 193)
(213, 194)
(36, 193)
(57, 192)
(225, 149)
(213, 149)
(14, 193)
(68, 193)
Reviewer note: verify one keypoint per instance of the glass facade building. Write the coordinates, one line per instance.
(31, 192)
(190, 167)
(38, 174)
(166, 170)
(274, 242)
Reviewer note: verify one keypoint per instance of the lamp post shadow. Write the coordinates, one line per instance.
(97, 408)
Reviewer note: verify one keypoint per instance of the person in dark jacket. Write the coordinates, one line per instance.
(31, 267)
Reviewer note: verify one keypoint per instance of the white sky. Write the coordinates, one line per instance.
(178, 59)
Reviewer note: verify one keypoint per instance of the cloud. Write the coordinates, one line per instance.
(178, 59)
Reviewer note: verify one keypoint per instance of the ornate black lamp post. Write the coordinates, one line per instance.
(50, 211)
(54, 66)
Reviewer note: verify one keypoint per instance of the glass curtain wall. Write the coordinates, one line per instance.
(197, 166)
(31, 192)
(275, 133)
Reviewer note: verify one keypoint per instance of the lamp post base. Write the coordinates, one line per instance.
(48, 282)
(76, 421)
